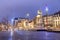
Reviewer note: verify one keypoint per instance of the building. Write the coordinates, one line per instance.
(38, 22)
(52, 20)
(31, 24)
(15, 21)
(56, 19)
(21, 23)
(48, 20)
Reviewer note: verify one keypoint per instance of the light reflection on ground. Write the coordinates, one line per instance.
(29, 35)
(11, 34)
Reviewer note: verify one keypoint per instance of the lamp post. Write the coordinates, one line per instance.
(46, 15)
(27, 15)
(46, 9)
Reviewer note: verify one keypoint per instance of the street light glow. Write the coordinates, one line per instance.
(46, 9)
(12, 21)
(27, 14)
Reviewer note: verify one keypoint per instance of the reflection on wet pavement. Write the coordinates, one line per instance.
(30, 35)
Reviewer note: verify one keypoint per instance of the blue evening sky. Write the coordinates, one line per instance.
(19, 8)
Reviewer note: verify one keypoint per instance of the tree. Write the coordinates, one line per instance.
(5, 20)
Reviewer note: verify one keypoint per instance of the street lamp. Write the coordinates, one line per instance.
(27, 15)
(46, 9)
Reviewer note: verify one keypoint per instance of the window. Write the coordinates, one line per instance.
(58, 17)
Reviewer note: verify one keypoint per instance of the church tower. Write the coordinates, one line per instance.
(39, 18)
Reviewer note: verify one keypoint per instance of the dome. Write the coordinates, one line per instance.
(39, 12)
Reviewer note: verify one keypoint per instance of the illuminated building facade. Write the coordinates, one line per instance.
(39, 18)
(56, 19)
(26, 24)
(49, 21)
(52, 20)
(21, 23)
(31, 24)
(38, 22)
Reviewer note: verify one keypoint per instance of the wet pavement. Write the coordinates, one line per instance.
(29, 35)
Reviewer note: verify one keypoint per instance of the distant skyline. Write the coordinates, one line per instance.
(19, 8)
